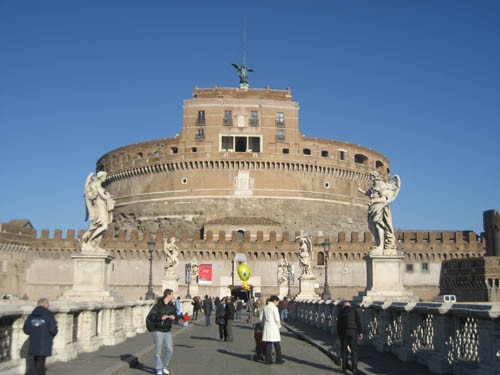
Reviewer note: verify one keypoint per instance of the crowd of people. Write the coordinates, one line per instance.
(267, 317)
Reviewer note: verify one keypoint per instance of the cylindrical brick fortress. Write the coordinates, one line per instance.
(241, 155)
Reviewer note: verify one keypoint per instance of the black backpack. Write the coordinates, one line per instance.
(150, 325)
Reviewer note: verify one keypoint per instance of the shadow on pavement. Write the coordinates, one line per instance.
(237, 355)
(204, 338)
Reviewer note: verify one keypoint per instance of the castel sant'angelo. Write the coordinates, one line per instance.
(240, 179)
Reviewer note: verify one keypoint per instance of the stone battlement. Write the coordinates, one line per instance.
(418, 245)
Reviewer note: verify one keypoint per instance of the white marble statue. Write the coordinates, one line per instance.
(382, 194)
(282, 271)
(172, 253)
(305, 255)
(100, 205)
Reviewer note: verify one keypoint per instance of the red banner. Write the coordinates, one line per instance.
(205, 274)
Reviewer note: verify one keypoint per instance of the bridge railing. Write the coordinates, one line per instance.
(447, 338)
(83, 327)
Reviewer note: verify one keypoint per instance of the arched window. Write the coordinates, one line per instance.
(379, 165)
(360, 159)
(320, 259)
(240, 234)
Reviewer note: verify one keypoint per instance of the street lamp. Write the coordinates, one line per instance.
(151, 248)
(289, 277)
(188, 279)
(326, 289)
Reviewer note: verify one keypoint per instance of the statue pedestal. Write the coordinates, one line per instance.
(306, 287)
(170, 282)
(194, 290)
(385, 279)
(283, 290)
(91, 279)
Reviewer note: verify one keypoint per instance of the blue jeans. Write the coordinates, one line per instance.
(284, 315)
(164, 348)
(207, 319)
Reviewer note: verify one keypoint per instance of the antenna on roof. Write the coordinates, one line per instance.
(242, 69)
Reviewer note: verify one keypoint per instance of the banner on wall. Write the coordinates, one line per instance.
(205, 274)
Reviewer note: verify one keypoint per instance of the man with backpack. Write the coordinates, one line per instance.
(159, 321)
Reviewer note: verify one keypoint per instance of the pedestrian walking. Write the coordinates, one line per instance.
(196, 307)
(349, 330)
(207, 309)
(41, 327)
(239, 309)
(220, 319)
(284, 309)
(249, 308)
(229, 313)
(178, 310)
(270, 320)
(161, 316)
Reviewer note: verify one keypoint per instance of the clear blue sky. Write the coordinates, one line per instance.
(418, 81)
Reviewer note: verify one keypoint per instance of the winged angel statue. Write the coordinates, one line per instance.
(305, 255)
(99, 208)
(382, 194)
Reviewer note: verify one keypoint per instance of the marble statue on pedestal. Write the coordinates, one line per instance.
(382, 194)
(282, 271)
(99, 208)
(194, 270)
(172, 253)
(305, 255)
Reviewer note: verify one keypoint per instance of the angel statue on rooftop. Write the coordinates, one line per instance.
(99, 208)
(382, 194)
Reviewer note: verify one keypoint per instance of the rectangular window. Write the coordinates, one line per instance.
(201, 134)
(201, 118)
(254, 118)
(254, 144)
(227, 143)
(280, 135)
(240, 143)
(409, 267)
(280, 119)
(228, 118)
(342, 155)
(425, 267)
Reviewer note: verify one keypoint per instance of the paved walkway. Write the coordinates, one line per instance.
(197, 350)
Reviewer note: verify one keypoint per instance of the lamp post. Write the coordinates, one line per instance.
(326, 289)
(289, 277)
(188, 279)
(151, 248)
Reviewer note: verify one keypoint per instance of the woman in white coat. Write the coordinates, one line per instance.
(270, 319)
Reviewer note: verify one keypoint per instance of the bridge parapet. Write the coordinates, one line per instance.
(447, 338)
(83, 327)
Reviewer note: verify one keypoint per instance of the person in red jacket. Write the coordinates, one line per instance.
(186, 319)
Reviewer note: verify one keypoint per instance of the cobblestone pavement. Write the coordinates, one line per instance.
(198, 351)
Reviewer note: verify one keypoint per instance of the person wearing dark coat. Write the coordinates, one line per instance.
(41, 326)
(229, 312)
(161, 316)
(220, 319)
(207, 309)
(349, 330)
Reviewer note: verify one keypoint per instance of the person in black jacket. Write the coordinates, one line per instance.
(349, 330)
(161, 316)
(41, 326)
(229, 317)
(207, 308)
(220, 319)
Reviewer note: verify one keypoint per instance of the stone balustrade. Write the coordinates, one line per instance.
(447, 338)
(83, 327)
